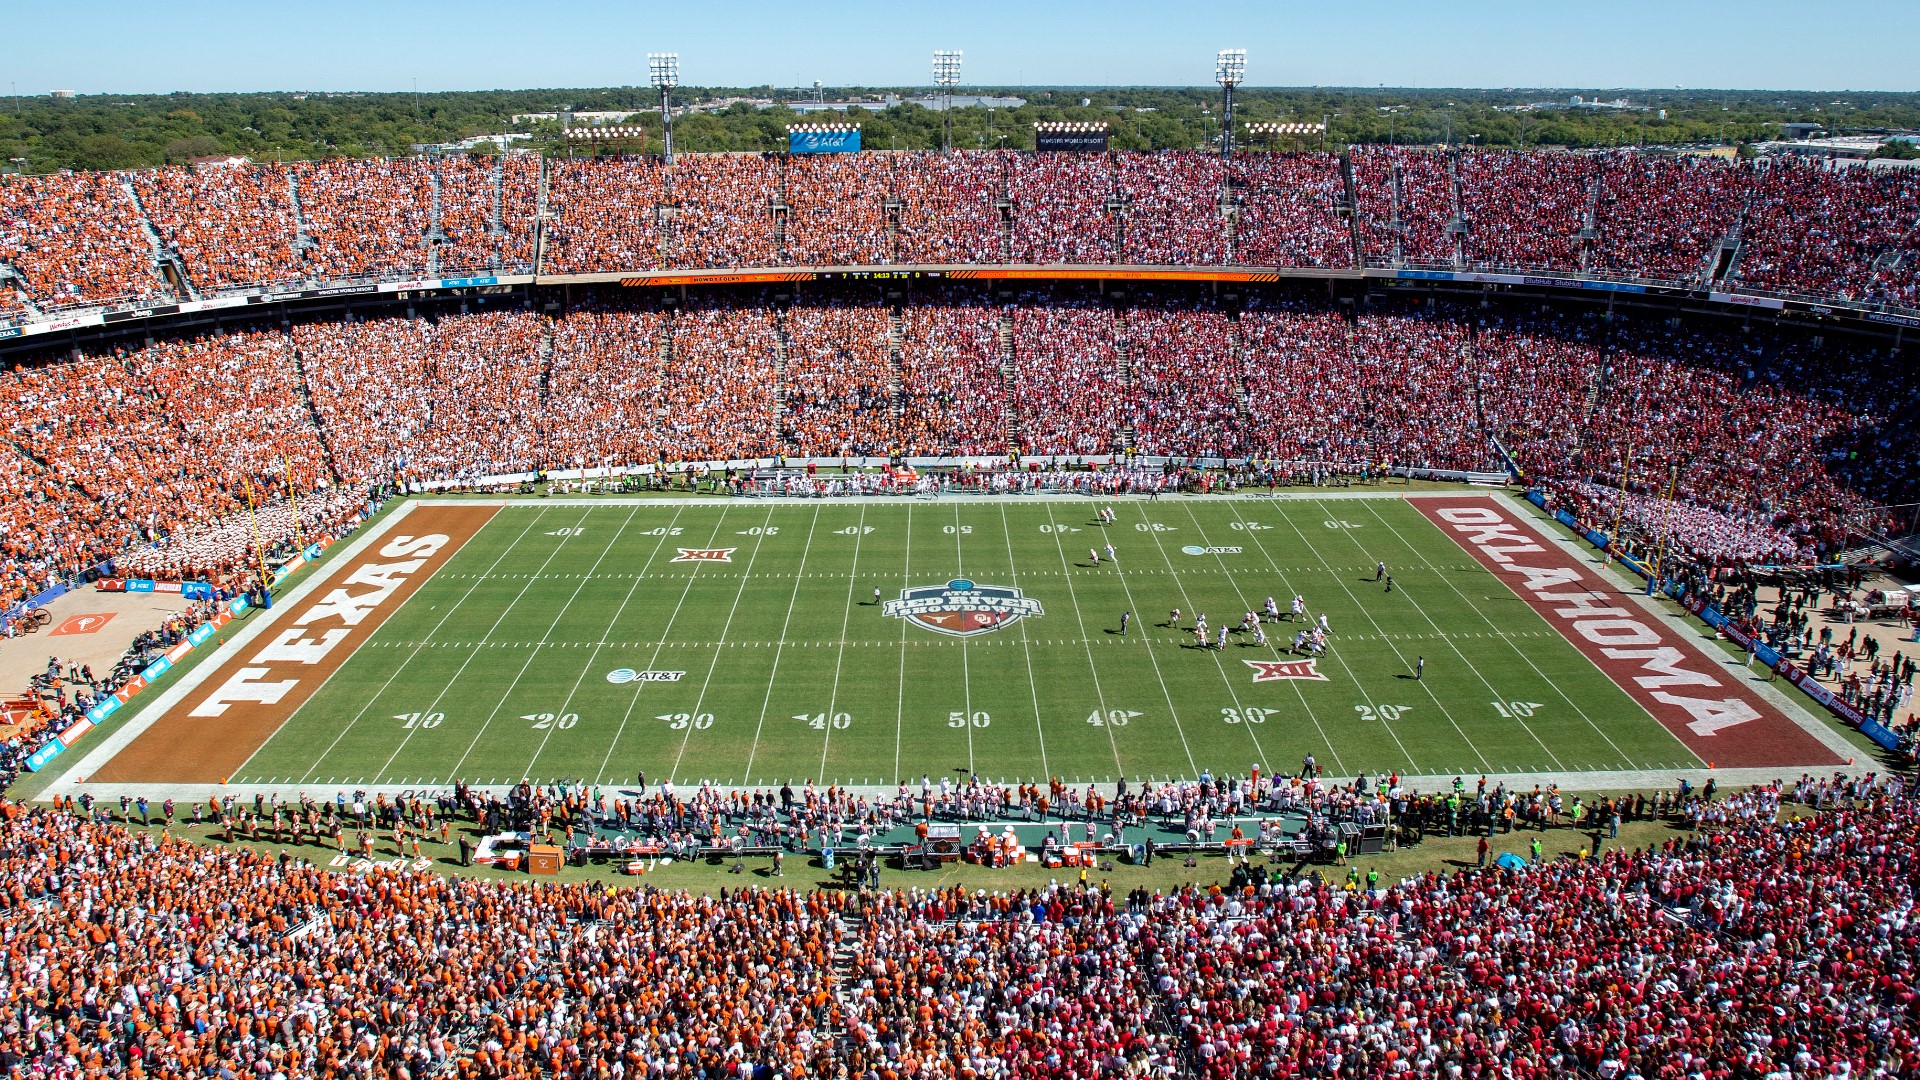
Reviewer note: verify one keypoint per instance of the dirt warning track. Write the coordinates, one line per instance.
(218, 726)
(1703, 702)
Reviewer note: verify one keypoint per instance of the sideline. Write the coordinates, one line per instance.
(1610, 780)
(662, 499)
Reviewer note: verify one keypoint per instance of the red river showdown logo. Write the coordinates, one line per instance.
(705, 555)
(1270, 670)
(961, 608)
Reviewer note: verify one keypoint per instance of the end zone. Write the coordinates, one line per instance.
(1679, 683)
(208, 726)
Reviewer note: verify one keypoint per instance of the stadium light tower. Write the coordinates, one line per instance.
(663, 70)
(1229, 69)
(946, 75)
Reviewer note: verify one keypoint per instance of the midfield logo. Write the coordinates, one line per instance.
(1270, 670)
(961, 608)
(705, 555)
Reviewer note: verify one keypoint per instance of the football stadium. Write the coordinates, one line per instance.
(1285, 607)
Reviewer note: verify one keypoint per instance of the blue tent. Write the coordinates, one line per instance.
(1510, 861)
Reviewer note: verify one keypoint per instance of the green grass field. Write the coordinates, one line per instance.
(498, 668)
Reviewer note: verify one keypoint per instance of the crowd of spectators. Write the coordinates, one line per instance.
(1789, 436)
(1813, 228)
(605, 387)
(723, 210)
(1184, 378)
(838, 381)
(721, 397)
(1173, 215)
(486, 213)
(1777, 938)
(76, 241)
(1062, 208)
(1659, 217)
(1066, 377)
(1696, 533)
(1818, 228)
(232, 225)
(407, 400)
(953, 394)
(949, 207)
(603, 214)
(1527, 210)
(1290, 211)
(365, 217)
(1405, 199)
(837, 210)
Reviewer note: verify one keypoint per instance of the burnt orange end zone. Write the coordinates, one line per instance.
(216, 728)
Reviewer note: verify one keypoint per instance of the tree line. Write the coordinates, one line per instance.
(42, 134)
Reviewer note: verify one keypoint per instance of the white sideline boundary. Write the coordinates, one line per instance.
(1282, 494)
(1649, 779)
(149, 712)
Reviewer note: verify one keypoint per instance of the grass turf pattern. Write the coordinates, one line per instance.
(499, 667)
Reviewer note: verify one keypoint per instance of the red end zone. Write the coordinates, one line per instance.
(1701, 700)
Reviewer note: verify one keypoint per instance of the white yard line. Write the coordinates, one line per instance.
(720, 647)
(1470, 744)
(1173, 711)
(1219, 664)
(693, 574)
(1625, 758)
(772, 675)
(1253, 536)
(312, 771)
(532, 653)
(601, 643)
(900, 701)
(966, 673)
(1026, 645)
(840, 654)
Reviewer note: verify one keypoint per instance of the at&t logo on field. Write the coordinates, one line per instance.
(705, 555)
(626, 675)
(1196, 549)
(961, 608)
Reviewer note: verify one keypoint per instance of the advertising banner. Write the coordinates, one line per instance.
(1085, 142)
(39, 758)
(823, 142)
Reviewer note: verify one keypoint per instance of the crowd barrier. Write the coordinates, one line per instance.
(1765, 654)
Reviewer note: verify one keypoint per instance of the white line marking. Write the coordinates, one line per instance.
(758, 541)
(1026, 646)
(374, 699)
(840, 655)
(594, 657)
(533, 653)
(754, 750)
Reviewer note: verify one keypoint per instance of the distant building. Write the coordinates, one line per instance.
(1800, 131)
(63, 93)
(219, 161)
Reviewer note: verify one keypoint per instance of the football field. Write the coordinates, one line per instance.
(741, 643)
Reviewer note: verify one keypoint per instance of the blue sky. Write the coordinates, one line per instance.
(155, 47)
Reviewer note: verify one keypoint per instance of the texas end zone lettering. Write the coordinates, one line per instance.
(260, 685)
(1694, 697)
(317, 631)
